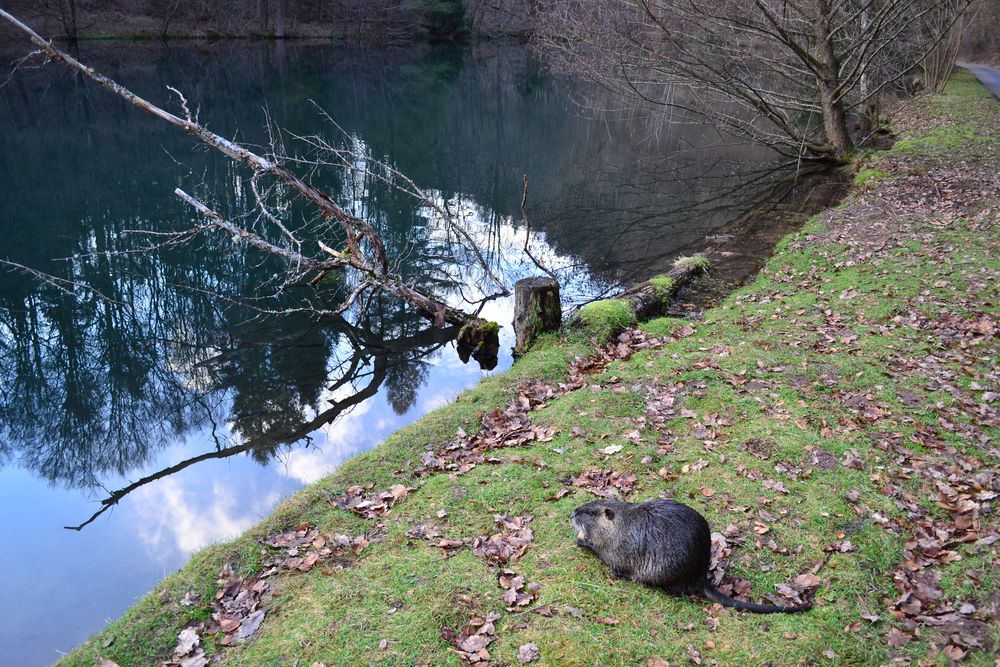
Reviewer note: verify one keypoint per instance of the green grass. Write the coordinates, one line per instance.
(768, 362)
(867, 176)
(699, 263)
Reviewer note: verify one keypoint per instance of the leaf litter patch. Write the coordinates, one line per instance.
(241, 603)
(604, 483)
(471, 641)
(304, 547)
(370, 505)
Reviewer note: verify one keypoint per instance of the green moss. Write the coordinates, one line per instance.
(949, 137)
(866, 176)
(665, 287)
(607, 318)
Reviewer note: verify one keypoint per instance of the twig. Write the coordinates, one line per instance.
(527, 232)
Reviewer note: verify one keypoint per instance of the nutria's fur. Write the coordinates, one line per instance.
(658, 543)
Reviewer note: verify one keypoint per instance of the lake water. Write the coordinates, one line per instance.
(177, 382)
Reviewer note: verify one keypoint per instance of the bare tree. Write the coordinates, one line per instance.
(788, 74)
(941, 59)
(362, 250)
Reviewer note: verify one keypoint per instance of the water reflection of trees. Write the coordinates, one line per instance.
(266, 418)
(92, 388)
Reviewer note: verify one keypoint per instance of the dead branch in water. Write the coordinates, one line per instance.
(364, 252)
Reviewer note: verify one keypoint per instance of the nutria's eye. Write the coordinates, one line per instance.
(610, 514)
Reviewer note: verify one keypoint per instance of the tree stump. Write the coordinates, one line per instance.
(480, 340)
(536, 310)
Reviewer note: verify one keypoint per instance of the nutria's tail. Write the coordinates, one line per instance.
(714, 594)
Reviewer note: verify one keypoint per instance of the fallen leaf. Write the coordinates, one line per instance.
(187, 641)
(514, 538)
(527, 653)
(250, 625)
(898, 639)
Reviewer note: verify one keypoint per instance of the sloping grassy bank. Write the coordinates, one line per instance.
(836, 420)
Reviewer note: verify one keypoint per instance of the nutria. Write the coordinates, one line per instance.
(658, 543)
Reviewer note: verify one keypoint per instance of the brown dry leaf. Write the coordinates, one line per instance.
(308, 561)
(305, 548)
(898, 639)
(844, 546)
(370, 505)
(560, 494)
(607, 620)
(229, 625)
(104, 662)
(527, 653)
(604, 483)
(517, 592)
(693, 654)
(707, 492)
(853, 460)
(800, 589)
(514, 538)
(291, 539)
(472, 641)
(657, 662)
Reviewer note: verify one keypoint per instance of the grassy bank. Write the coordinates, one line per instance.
(835, 419)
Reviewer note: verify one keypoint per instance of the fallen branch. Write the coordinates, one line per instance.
(374, 266)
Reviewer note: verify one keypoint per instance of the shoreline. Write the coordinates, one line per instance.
(810, 417)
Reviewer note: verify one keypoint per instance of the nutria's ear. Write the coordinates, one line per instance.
(609, 513)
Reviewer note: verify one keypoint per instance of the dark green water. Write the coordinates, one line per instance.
(214, 410)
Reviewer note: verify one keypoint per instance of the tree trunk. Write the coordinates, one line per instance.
(263, 14)
(279, 19)
(68, 8)
(827, 81)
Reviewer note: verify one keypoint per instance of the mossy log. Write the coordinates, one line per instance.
(646, 300)
(652, 298)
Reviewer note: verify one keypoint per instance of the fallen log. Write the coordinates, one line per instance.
(644, 301)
